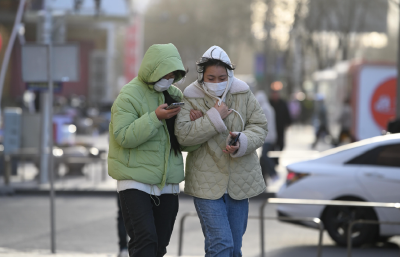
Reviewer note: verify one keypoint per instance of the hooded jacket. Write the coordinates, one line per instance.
(209, 171)
(139, 147)
(269, 114)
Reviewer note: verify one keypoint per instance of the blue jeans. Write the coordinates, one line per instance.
(224, 223)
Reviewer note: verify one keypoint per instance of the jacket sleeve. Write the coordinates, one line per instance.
(129, 129)
(196, 132)
(255, 130)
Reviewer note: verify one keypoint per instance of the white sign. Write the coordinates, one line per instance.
(65, 62)
(376, 99)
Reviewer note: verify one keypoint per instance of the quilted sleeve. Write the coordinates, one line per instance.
(129, 129)
(196, 132)
(256, 128)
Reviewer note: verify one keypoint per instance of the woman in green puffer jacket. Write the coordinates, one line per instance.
(221, 177)
(144, 154)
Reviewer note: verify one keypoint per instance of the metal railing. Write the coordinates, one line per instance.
(350, 230)
(181, 230)
(328, 203)
(308, 219)
(315, 220)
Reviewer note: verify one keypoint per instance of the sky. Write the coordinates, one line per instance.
(108, 7)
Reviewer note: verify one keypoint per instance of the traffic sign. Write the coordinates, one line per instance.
(65, 62)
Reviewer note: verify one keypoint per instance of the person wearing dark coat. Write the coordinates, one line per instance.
(282, 118)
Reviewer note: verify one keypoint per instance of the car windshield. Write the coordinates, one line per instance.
(351, 146)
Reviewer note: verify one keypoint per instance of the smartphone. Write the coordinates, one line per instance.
(174, 105)
(234, 140)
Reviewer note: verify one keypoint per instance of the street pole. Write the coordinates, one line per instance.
(398, 70)
(51, 162)
(47, 136)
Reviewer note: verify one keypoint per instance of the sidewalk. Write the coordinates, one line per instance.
(39, 253)
(4, 252)
(298, 142)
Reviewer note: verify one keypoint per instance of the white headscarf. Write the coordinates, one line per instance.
(216, 52)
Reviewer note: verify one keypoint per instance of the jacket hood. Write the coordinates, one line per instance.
(158, 61)
(216, 52)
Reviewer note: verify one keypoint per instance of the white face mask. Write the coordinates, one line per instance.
(216, 89)
(163, 84)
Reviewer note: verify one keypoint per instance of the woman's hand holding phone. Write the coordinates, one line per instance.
(232, 148)
(163, 114)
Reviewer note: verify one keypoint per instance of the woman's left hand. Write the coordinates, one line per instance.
(232, 148)
(195, 114)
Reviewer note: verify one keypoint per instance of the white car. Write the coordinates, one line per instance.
(368, 170)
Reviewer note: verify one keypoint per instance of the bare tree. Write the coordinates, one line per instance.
(327, 31)
(341, 21)
(193, 26)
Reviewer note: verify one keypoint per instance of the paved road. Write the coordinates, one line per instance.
(88, 225)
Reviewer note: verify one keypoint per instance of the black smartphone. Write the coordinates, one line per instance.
(175, 105)
(234, 140)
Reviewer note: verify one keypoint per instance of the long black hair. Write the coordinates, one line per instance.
(175, 146)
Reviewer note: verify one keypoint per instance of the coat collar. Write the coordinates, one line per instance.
(193, 91)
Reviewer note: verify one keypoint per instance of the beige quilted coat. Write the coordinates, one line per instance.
(209, 171)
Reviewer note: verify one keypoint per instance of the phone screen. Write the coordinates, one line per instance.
(174, 105)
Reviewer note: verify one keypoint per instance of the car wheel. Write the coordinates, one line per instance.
(338, 218)
(383, 239)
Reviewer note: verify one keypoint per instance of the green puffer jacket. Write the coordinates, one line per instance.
(209, 171)
(139, 143)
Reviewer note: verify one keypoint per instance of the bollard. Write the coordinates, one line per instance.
(7, 170)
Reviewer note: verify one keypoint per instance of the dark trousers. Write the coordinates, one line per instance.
(280, 142)
(280, 139)
(322, 131)
(122, 236)
(148, 225)
(267, 164)
(343, 134)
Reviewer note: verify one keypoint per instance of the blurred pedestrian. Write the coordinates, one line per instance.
(282, 119)
(294, 109)
(307, 110)
(345, 120)
(222, 175)
(144, 154)
(320, 120)
(267, 164)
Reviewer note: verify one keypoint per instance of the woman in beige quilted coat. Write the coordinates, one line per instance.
(220, 177)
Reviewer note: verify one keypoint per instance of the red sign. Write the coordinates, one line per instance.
(133, 51)
(383, 102)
